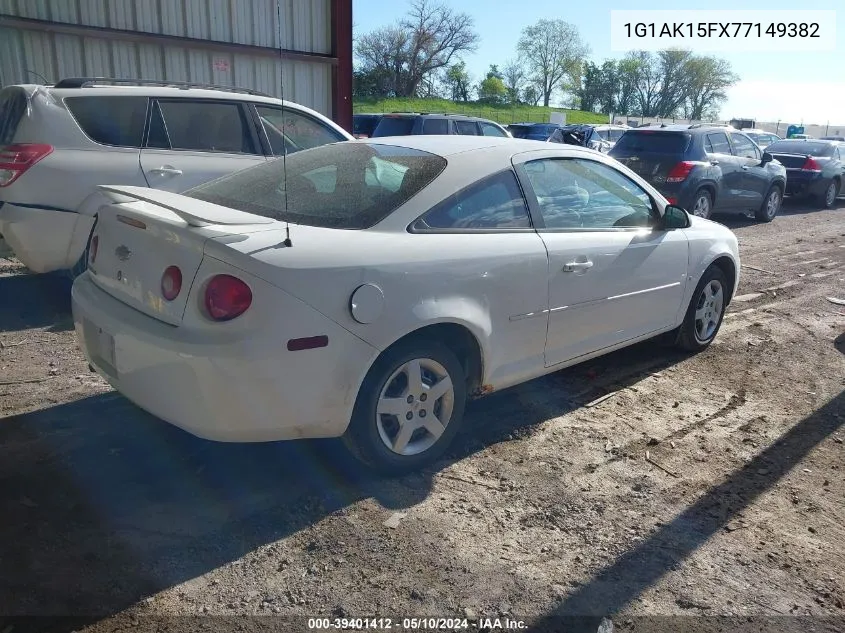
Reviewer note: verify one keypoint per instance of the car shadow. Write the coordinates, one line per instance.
(104, 505)
(617, 585)
(35, 301)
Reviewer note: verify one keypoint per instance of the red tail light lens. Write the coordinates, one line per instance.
(16, 159)
(227, 297)
(680, 171)
(811, 164)
(92, 250)
(672, 200)
(171, 283)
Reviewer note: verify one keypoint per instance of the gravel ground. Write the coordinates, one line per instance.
(711, 485)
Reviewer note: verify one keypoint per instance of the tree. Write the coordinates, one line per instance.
(425, 42)
(553, 51)
(458, 81)
(492, 89)
(590, 93)
(626, 74)
(513, 74)
(709, 79)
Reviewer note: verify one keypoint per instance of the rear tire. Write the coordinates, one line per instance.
(705, 312)
(702, 205)
(409, 408)
(828, 199)
(771, 205)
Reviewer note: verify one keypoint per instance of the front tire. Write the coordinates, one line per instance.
(409, 408)
(703, 204)
(705, 312)
(771, 205)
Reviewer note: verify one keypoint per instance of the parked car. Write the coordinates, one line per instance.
(761, 137)
(364, 124)
(408, 123)
(841, 139)
(816, 168)
(705, 169)
(414, 274)
(58, 142)
(582, 135)
(532, 131)
(610, 134)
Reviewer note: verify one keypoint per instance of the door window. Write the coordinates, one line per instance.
(204, 126)
(467, 127)
(488, 129)
(493, 203)
(296, 131)
(717, 143)
(744, 147)
(435, 126)
(585, 194)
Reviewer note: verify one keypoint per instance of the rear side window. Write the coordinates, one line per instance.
(291, 130)
(488, 129)
(717, 143)
(394, 126)
(467, 127)
(494, 203)
(12, 109)
(435, 126)
(343, 186)
(205, 126)
(648, 142)
(117, 121)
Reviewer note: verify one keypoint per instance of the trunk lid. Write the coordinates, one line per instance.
(146, 231)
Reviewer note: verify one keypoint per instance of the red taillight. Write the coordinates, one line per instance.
(16, 159)
(672, 200)
(92, 250)
(171, 283)
(811, 165)
(680, 171)
(227, 297)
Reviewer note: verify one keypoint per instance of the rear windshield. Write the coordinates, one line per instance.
(343, 185)
(649, 142)
(364, 125)
(801, 147)
(394, 126)
(12, 109)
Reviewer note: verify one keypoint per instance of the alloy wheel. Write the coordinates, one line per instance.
(708, 310)
(415, 406)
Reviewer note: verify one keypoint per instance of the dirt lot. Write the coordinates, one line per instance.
(711, 485)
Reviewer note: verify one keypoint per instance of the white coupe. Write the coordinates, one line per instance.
(367, 289)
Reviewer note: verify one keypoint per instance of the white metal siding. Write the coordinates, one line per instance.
(305, 28)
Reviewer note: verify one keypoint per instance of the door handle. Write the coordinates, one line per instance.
(572, 267)
(714, 162)
(745, 167)
(166, 170)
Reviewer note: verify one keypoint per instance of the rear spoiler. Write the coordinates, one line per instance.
(194, 212)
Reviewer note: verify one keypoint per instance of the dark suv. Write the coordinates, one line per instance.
(406, 123)
(705, 169)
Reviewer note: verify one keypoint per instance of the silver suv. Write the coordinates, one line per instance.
(57, 143)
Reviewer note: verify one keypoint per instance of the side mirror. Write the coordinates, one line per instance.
(767, 158)
(674, 217)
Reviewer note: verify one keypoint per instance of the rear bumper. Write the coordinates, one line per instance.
(44, 239)
(228, 389)
(803, 183)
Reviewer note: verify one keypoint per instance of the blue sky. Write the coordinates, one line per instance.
(792, 87)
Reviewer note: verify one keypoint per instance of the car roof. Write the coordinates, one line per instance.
(449, 145)
(816, 141)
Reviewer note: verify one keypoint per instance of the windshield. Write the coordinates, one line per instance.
(342, 185)
(804, 148)
(649, 142)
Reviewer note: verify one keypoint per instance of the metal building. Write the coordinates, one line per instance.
(303, 46)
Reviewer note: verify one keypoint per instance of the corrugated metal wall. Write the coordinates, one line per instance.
(305, 28)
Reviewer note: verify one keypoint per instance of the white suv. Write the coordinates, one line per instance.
(57, 143)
